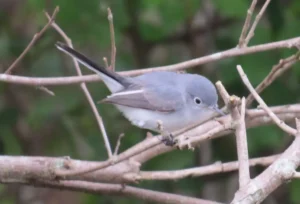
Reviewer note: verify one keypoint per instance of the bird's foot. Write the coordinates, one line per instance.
(168, 139)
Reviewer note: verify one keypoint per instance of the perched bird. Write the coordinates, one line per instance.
(157, 100)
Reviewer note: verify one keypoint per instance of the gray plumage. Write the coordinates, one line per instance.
(172, 99)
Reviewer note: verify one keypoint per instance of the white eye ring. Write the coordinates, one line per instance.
(197, 100)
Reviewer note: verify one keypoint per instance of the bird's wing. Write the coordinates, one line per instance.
(155, 98)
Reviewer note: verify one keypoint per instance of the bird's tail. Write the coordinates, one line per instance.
(113, 81)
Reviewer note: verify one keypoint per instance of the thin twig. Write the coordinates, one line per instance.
(86, 92)
(297, 124)
(119, 189)
(112, 38)
(289, 43)
(275, 109)
(210, 134)
(46, 90)
(257, 19)
(277, 70)
(241, 143)
(225, 96)
(105, 63)
(118, 144)
(247, 24)
(296, 175)
(34, 39)
(217, 167)
(263, 105)
(223, 93)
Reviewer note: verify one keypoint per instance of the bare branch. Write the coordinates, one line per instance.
(152, 147)
(118, 144)
(86, 91)
(46, 90)
(297, 124)
(217, 167)
(241, 143)
(296, 175)
(277, 70)
(112, 38)
(41, 168)
(275, 109)
(257, 18)
(34, 39)
(47, 168)
(105, 62)
(119, 189)
(191, 141)
(222, 55)
(289, 43)
(223, 93)
(247, 24)
(48, 81)
(282, 170)
(263, 105)
(258, 117)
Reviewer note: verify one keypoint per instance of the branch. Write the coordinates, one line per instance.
(297, 175)
(258, 118)
(247, 24)
(263, 105)
(45, 168)
(257, 18)
(238, 119)
(86, 91)
(217, 167)
(277, 70)
(112, 38)
(282, 170)
(46, 90)
(105, 63)
(118, 144)
(293, 42)
(223, 93)
(152, 147)
(241, 143)
(118, 189)
(20, 168)
(289, 43)
(34, 39)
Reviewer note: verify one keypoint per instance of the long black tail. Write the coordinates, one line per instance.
(108, 76)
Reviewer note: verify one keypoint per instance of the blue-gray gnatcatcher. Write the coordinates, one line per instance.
(156, 100)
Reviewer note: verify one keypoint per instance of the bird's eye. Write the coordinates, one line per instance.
(197, 100)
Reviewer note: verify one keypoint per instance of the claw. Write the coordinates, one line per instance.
(169, 140)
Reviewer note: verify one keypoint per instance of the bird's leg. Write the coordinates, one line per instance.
(167, 138)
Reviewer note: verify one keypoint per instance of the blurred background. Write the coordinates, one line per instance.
(148, 33)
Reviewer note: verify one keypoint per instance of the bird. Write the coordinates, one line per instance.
(159, 100)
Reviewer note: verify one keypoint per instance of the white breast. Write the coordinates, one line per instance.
(150, 119)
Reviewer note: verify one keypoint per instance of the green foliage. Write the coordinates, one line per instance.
(140, 25)
(294, 189)
(161, 18)
(276, 17)
(264, 139)
(232, 8)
